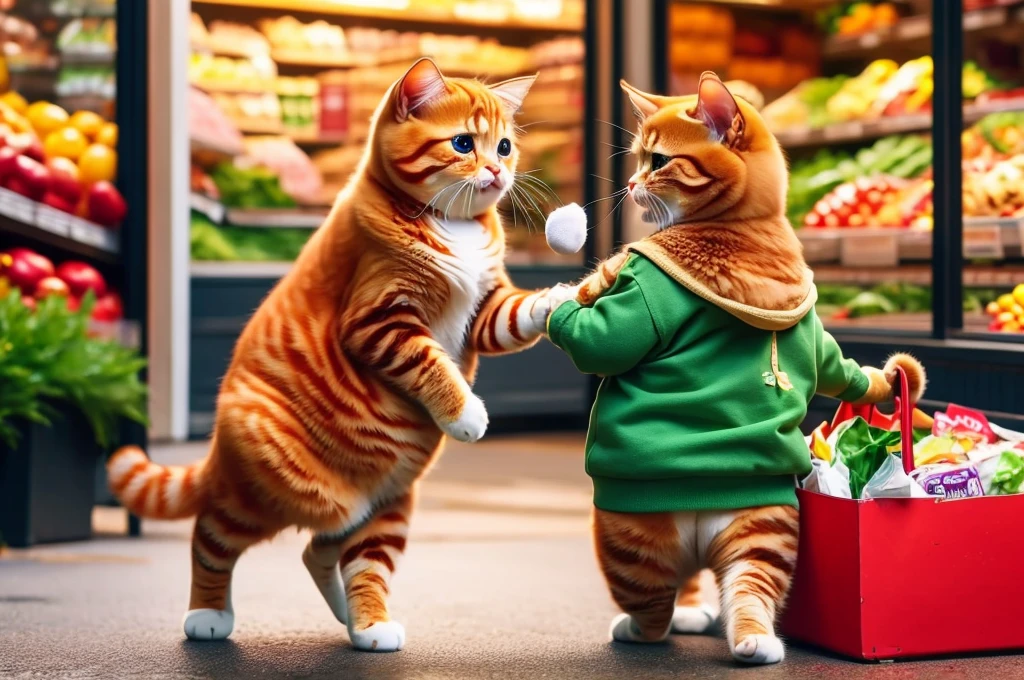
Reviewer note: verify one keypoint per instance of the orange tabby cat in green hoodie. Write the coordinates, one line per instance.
(711, 350)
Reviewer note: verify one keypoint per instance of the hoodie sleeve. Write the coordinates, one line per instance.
(837, 376)
(611, 336)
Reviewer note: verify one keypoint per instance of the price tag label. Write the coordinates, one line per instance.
(209, 207)
(95, 236)
(983, 242)
(17, 207)
(874, 250)
(53, 221)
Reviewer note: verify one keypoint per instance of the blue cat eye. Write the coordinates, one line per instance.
(658, 161)
(462, 143)
(504, 147)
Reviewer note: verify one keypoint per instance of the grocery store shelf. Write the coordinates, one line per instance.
(259, 127)
(240, 270)
(984, 238)
(855, 131)
(916, 28)
(327, 139)
(86, 57)
(26, 218)
(212, 148)
(221, 49)
(211, 207)
(286, 218)
(301, 58)
(230, 88)
(400, 14)
(974, 276)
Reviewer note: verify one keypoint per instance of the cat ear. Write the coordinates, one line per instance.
(643, 104)
(420, 84)
(513, 92)
(718, 110)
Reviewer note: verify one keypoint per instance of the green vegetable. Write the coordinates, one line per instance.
(47, 356)
(250, 244)
(1009, 475)
(914, 165)
(249, 187)
(868, 304)
(863, 449)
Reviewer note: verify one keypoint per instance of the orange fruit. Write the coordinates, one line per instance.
(15, 101)
(46, 118)
(107, 135)
(98, 163)
(88, 123)
(67, 142)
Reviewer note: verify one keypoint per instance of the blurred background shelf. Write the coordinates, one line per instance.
(240, 270)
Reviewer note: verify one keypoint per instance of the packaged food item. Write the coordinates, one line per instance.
(949, 482)
(892, 481)
(828, 479)
(964, 421)
(945, 449)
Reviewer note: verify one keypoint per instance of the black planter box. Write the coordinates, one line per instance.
(48, 483)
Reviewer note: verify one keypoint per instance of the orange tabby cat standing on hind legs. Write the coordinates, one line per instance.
(348, 375)
(707, 335)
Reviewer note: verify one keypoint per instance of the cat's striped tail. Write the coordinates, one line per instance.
(156, 491)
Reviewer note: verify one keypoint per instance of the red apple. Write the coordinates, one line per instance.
(8, 161)
(64, 180)
(57, 201)
(108, 308)
(25, 268)
(106, 206)
(33, 175)
(81, 278)
(28, 145)
(51, 285)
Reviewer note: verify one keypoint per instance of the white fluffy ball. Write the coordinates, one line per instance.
(566, 229)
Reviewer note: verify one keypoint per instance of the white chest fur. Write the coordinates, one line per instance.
(469, 270)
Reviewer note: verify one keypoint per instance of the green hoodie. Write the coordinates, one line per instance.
(691, 414)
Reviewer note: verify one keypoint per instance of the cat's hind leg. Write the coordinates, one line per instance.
(321, 558)
(697, 607)
(754, 559)
(644, 564)
(218, 540)
(367, 561)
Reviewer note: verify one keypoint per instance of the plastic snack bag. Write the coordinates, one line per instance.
(828, 479)
(863, 449)
(891, 481)
(949, 481)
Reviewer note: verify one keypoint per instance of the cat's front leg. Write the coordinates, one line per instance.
(511, 319)
(398, 345)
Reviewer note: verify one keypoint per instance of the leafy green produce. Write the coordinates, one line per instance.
(249, 244)
(869, 304)
(249, 187)
(994, 128)
(46, 356)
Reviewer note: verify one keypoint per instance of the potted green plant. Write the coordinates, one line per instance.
(63, 395)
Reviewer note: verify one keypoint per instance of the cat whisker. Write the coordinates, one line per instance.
(614, 146)
(610, 212)
(610, 181)
(609, 197)
(631, 134)
(464, 183)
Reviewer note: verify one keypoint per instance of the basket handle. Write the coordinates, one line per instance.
(905, 412)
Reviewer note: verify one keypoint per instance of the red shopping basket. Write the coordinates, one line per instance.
(908, 577)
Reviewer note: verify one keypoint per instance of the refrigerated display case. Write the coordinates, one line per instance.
(900, 121)
(281, 93)
(73, 222)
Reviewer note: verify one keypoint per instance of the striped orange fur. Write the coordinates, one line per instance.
(346, 379)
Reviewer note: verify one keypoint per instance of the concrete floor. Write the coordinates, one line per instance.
(499, 582)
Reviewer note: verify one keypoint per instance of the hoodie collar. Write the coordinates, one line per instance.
(763, 319)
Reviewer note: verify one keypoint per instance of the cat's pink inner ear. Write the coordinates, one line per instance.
(716, 107)
(422, 83)
(644, 105)
(513, 92)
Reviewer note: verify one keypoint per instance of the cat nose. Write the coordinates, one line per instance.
(494, 170)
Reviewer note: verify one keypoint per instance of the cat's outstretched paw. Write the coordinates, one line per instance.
(208, 624)
(383, 636)
(471, 423)
(759, 650)
(552, 299)
(693, 620)
(624, 629)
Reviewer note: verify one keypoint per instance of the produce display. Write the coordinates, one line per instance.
(35, 278)
(957, 453)
(852, 302)
(897, 158)
(65, 162)
(857, 18)
(221, 243)
(48, 355)
(883, 89)
(1007, 312)
(255, 187)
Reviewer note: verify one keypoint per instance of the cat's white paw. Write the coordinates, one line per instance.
(208, 624)
(759, 649)
(384, 636)
(693, 620)
(328, 580)
(551, 300)
(471, 423)
(623, 629)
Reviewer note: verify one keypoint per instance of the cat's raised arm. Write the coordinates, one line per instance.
(511, 319)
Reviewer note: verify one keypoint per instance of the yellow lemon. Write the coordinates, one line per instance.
(98, 163)
(1006, 302)
(67, 142)
(15, 101)
(88, 123)
(107, 135)
(46, 118)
